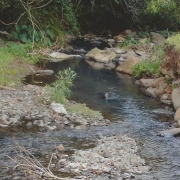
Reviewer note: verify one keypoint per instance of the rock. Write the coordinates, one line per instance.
(168, 102)
(170, 132)
(134, 160)
(175, 97)
(58, 108)
(60, 148)
(127, 32)
(150, 92)
(157, 38)
(61, 56)
(119, 38)
(163, 111)
(165, 97)
(101, 55)
(111, 40)
(51, 128)
(146, 82)
(126, 66)
(45, 72)
(3, 120)
(81, 127)
(143, 41)
(152, 82)
(177, 115)
(118, 50)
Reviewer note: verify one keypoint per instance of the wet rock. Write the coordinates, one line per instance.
(45, 72)
(163, 111)
(170, 132)
(61, 56)
(150, 92)
(177, 115)
(101, 55)
(60, 148)
(175, 97)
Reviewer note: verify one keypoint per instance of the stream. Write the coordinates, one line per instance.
(130, 112)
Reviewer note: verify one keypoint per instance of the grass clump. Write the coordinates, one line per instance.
(151, 66)
(174, 41)
(82, 109)
(59, 91)
(13, 60)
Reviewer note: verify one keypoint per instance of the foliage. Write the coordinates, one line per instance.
(129, 41)
(161, 13)
(143, 34)
(60, 89)
(149, 67)
(28, 34)
(174, 41)
(11, 56)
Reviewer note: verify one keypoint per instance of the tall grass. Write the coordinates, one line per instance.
(60, 90)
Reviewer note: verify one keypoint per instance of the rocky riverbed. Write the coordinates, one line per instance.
(28, 106)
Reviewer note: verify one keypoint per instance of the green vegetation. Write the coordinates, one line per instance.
(161, 14)
(13, 62)
(174, 41)
(59, 91)
(82, 109)
(129, 41)
(149, 67)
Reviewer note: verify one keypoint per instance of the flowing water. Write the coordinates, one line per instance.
(130, 112)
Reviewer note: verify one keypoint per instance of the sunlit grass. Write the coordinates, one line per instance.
(12, 56)
(82, 109)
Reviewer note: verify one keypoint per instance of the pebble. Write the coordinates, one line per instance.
(112, 155)
(20, 105)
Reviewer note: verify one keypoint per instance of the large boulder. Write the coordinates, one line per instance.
(127, 65)
(177, 115)
(157, 38)
(152, 82)
(101, 55)
(175, 97)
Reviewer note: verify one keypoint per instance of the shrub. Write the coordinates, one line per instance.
(149, 67)
(161, 14)
(59, 91)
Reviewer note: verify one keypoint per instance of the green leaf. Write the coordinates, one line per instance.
(24, 27)
(49, 33)
(23, 37)
(15, 35)
(17, 29)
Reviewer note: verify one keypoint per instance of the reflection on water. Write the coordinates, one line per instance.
(129, 110)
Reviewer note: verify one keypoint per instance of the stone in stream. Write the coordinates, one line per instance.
(169, 132)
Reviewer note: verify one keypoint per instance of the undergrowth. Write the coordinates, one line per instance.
(60, 90)
(151, 66)
(12, 58)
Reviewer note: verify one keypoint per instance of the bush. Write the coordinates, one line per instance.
(161, 14)
(59, 91)
(149, 67)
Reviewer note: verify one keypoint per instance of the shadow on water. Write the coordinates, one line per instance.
(129, 110)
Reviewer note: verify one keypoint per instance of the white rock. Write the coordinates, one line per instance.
(58, 108)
